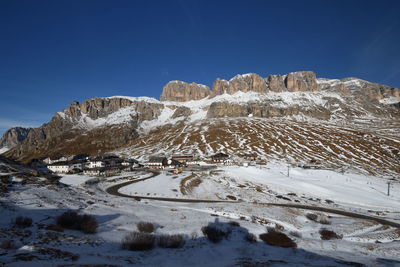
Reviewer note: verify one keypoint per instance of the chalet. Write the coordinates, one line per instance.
(220, 158)
(182, 158)
(157, 162)
(103, 171)
(249, 156)
(59, 167)
(96, 162)
(172, 163)
(129, 162)
(193, 162)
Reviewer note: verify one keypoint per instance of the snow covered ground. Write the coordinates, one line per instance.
(349, 189)
(75, 180)
(118, 216)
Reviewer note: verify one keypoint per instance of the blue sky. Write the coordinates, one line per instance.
(55, 52)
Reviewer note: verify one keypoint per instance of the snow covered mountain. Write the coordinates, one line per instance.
(357, 122)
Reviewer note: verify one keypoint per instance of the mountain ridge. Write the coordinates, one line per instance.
(99, 125)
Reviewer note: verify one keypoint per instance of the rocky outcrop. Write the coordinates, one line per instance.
(181, 91)
(264, 110)
(360, 89)
(301, 82)
(276, 83)
(244, 83)
(182, 112)
(14, 136)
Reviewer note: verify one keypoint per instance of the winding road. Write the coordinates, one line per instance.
(113, 190)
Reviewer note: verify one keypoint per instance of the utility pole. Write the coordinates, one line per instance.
(288, 168)
(388, 183)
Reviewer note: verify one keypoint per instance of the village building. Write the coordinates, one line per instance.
(51, 160)
(96, 163)
(157, 163)
(104, 172)
(182, 158)
(249, 156)
(59, 167)
(221, 158)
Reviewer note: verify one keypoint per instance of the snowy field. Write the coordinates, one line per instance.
(363, 241)
(348, 189)
(74, 180)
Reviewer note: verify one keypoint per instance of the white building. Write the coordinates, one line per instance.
(59, 167)
(96, 164)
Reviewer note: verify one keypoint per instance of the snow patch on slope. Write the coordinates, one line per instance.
(390, 100)
(123, 115)
(164, 118)
(4, 150)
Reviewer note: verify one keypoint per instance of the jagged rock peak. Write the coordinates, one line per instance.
(182, 91)
(14, 136)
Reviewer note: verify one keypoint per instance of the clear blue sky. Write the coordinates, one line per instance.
(54, 52)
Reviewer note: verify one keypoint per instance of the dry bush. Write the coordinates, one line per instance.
(7, 244)
(233, 223)
(88, 224)
(145, 227)
(171, 241)
(329, 234)
(251, 238)
(55, 227)
(74, 221)
(278, 239)
(23, 222)
(69, 220)
(138, 241)
(214, 234)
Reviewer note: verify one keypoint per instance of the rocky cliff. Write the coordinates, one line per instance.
(293, 82)
(13, 137)
(181, 91)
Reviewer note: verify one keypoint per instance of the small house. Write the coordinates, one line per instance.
(182, 158)
(220, 158)
(96, 163)
(59, 167)
(157, 162)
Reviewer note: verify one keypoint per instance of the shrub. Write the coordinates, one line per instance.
(74, 221)
(7, 244)
(278, 239)
(88, 224)
(138, 241)
(251, 238)
(69, 220)
(23, 222)
(171, 241)
(329, 234)
(214, 234)
(233, 223)
(145, 227)
(55, 227)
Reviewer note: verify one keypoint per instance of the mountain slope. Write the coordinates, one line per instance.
(109, 124)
